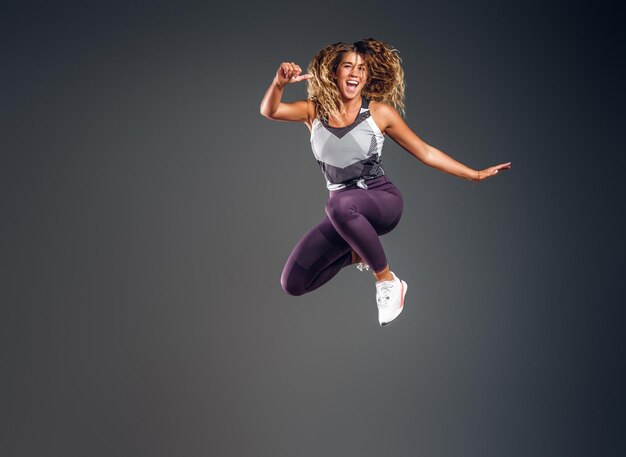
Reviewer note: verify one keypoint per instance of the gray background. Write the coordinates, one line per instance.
(148, 209)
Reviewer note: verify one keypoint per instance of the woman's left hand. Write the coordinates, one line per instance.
(481, 175)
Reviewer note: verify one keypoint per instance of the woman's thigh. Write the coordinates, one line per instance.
(316, 258)
(382, 208)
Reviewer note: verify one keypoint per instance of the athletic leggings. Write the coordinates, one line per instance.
(355, 217)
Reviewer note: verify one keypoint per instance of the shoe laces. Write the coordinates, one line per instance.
(362, 266)
(384, 292)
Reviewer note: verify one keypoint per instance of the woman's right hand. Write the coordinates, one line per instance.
(289, 72)
(271, 105)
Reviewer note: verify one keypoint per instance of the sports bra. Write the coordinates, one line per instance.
(349, 154)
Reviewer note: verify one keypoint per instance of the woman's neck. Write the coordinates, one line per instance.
(351, 105)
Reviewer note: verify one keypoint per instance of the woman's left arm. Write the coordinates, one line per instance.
(391, 123)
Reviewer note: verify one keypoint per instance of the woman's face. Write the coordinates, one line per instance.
(351, 75)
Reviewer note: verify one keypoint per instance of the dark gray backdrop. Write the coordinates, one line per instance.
(147, 211)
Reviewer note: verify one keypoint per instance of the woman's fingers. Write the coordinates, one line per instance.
(302, 77)
(283, 70)
(492, 171)
(504, 165)
(295, 70)
(290, 72)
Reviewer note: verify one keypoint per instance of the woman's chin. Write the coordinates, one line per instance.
(350, 95)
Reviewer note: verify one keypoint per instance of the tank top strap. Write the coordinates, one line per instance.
(365, 103)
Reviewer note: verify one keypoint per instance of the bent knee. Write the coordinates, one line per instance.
(290, 286)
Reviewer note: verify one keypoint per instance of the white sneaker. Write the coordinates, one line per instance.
(390, 299)
(362, 266)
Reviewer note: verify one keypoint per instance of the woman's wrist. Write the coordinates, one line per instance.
(474, 175)
(278, 85)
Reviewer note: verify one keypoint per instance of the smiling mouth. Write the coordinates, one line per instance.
(352, 85)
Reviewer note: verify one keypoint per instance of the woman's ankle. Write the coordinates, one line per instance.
(383, 275)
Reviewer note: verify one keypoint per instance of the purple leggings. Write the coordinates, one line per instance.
(354, 219)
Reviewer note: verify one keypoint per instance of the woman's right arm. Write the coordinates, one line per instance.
(271, 105)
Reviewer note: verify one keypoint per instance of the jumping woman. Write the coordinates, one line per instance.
(355, 96)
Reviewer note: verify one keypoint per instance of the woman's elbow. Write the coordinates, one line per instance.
(269, 115)
(265, 110)
(426, 154)
(422, 153)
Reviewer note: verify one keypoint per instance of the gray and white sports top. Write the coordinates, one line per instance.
(349, 154)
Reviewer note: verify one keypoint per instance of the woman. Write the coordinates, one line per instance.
(355, 92)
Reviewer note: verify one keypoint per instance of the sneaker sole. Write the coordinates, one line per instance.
(405, 287)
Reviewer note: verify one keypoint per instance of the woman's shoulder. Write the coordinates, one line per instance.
(380, 107)
(382, 113)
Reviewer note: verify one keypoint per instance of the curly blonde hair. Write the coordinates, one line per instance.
(385, 77)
